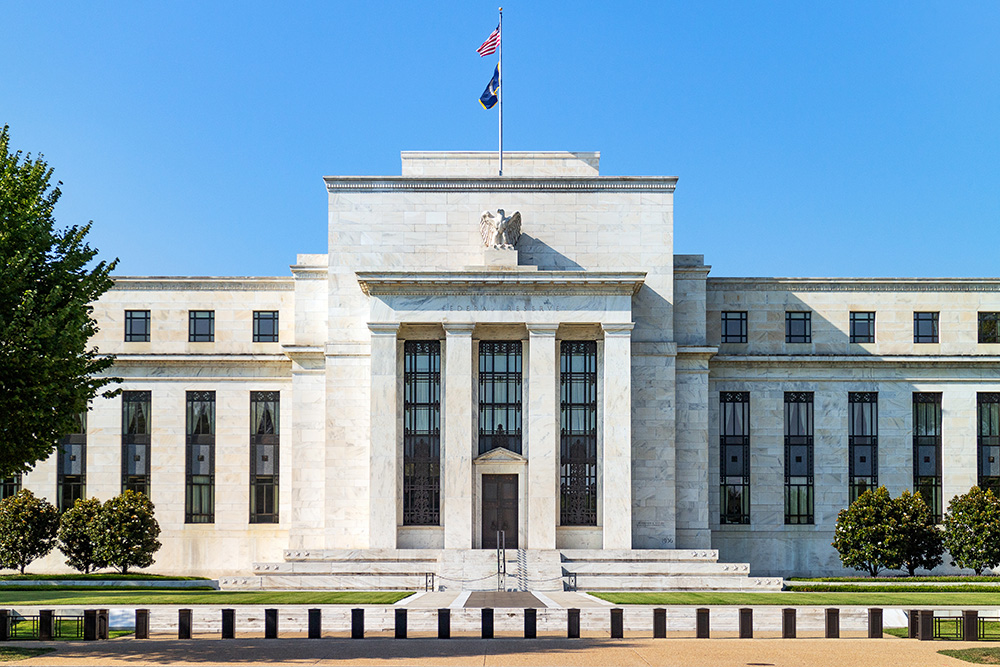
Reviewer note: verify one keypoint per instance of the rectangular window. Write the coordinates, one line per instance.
(265, 326)
(422, 433)
(862, 442)
(798, 327)
(798, 457)
(925, 327)
(265, 408)
(500, 395)
(734, 451)
(578, 433)
(71, 474)
(9, 486)
(862, 327)
(734, 326)
(136, 326)
(201, 326)
(989, 327)
(200, 496)
(927, 449)
(988, 440)
(137, 428)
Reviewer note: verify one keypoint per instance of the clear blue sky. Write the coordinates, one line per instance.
(811, 139)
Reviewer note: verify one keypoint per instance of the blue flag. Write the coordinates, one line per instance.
(489, 97)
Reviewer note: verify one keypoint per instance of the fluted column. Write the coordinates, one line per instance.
(616, 466)
(543, 436)
(382, 469)
(456, 463)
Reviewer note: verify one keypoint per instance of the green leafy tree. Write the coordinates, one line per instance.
(28, 527)
(972, 530)
(867, 533)
(923, 543)
(76, 535)
(47, 281)
(126, 532)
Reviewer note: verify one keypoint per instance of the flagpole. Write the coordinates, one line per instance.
(500, 91)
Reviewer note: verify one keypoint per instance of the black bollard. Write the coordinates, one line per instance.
(912, 623)
(315, 623)
(659, 623)
(270, 624)
(229, 624)
(746, 623)
(925, 625)
(400, 623)
(832, 623)
(89, 625)
(142, 624)
(788, 623)
(874, 623)
(103, 624)
(701, 623)
(573, 623)
(617, 624)
(487, 625)
(444, 623)
(357, 623)
(530, 623)
(46, 625)
(970, 625)
(183, 624)
(4, 625)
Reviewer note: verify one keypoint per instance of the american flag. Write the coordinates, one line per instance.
(490, 45)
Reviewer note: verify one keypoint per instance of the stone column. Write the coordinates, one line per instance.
(456, 460)
(616, 468)
(543, 436)
(382, 471)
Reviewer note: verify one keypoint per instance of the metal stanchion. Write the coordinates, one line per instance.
(444, 623)
(315, 623)
(617, 624)
(530, 623)
(270, 624)
(702, 623)
(400, 623)
(229, 624)
(357, 623)
(183, 624)
(970, 625)
(788, 623)
(875, 623)
(46, 625)
(573, 623)
(912, 623)
(103, 624)
(746, 623)
(925, 625)
(487, 625)
(659, 623)
(142, 624)
(832, 623)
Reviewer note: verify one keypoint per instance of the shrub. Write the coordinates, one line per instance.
(972, 530)
(28, 527)
(76, 535)
(922, 539)
(867, 534)
(126, 531)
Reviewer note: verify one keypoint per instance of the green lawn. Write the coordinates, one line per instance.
(969, 579)
(12, 653)
(93, 597)
(899, 588)
(835, 599)
(982, 656)
(96, 577)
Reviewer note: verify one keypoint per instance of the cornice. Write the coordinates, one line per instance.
(431, 283)
(857, 360)
(203, 283)
(500, 184)
(197, 359)
(856, 284)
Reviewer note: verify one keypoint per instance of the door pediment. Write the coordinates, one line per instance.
(500, 455)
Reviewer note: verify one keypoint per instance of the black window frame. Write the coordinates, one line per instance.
(422, 433)
(734, 457)
(265, 316)
(136, 437)
(578, 420)
(196, 319)
(988, 441)
(921, 319)
(800, 496)
(265, 450)
(989, 327)
(199, 495)
(862, 442)
(858, 318)
(71, 467)
(500, 395)
(927, 443)
(739, 317)
(795, 316)
(9, 486)
(132, 319)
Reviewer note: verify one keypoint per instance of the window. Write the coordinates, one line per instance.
(265, 326)
(136, 326)
(927, 449)
(265, 408)
(862, 442)
(9, 486)
(798, 327)
(500, 395)
(200, 494)
(988, 440)
(925, 327)
(798, 457)
(734, 326)
(734, 452)
(578, 433)
(201, 326)
(422, 433)
(989, 327)
(71, 473)
(136, 430)
(862, 327)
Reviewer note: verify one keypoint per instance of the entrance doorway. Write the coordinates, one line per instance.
(499, 510)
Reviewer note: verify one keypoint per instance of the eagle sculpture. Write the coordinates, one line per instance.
(499, 230)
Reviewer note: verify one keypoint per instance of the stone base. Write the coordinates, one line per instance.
(499, 258)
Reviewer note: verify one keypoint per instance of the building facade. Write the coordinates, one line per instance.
(581, 389)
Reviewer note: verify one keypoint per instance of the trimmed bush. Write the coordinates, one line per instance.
(126, 531)
(923, 542)
(867, 534)
(28, 527)
(76, 535)
(972, 530)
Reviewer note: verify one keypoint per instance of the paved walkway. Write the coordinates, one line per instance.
(499, 600)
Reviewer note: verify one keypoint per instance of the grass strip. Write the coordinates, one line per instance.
(35, 598)
(99, 576)
(970, 579)
(980, 656)
(900, 588)
(12, 653)
(832, 599)
(59, 587)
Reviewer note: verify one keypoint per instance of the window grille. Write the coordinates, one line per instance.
(137, 429)
(200, 469)
(578, 440)
(862, 442)
(734, 454)
(71, 473)
(265, 409)
(422, 433)
(988, 440)
(500, 395)
(927, 450)
(799, 491)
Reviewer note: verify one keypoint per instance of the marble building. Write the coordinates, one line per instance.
(551, 370)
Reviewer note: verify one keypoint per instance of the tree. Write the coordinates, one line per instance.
(76, 535)
(867, 533)
(922, 539)
(28, 528)
(126, 532)
(972, 530)
(47, 373)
